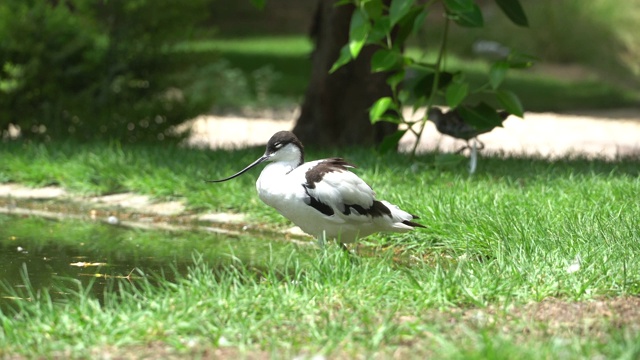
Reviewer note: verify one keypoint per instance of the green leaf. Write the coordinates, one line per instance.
(419, 20)
(459, 5)
(344, 58)
(373, 9)
(381, 27)
(405, 25)
(385, 59)
(472, 18)
(456, 92)
(390, 142)
(395, 79)
(424, 84)
(465, 12)
(403, 96)
(511, 102)
(497, 73)
(514, 11)
(481, 116)
(418, 103)
(259, 3)
(358, 31)
(379, 108)
(398, 9)
(355, 46)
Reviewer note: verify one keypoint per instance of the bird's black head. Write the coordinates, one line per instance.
(281, 140)
(283, 146)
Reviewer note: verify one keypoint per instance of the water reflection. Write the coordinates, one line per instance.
(46, 254)
(50, 266)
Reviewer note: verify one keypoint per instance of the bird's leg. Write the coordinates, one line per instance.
(322, 239)
(350, 255)
(463, 148)
(466, 146)
(473, 157)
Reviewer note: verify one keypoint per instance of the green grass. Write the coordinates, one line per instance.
(333, 306)
(496, 242)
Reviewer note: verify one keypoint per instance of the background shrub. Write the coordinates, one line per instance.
(97, 69)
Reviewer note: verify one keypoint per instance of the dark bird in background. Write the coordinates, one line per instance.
(452, 124)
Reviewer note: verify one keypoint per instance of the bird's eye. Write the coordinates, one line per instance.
(277, 145)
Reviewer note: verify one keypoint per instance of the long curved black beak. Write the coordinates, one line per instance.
(261, 159)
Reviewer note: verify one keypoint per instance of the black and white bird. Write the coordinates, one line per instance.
(452, 124)
(322, 197)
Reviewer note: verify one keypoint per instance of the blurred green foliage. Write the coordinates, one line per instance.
(97, 69)
(598, 34)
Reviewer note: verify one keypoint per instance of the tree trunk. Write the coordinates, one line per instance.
(335, 110)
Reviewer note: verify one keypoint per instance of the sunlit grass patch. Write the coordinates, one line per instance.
(275, 45)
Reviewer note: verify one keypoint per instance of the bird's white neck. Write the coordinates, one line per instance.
(277, 169)
(274, 186)
(273, 182)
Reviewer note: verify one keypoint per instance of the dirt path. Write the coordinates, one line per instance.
(599, 134)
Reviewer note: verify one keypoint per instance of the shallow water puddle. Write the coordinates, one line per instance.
(27, 267)
(38, 254)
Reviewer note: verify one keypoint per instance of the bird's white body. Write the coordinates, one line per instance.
(282, 187)
(323, 197)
